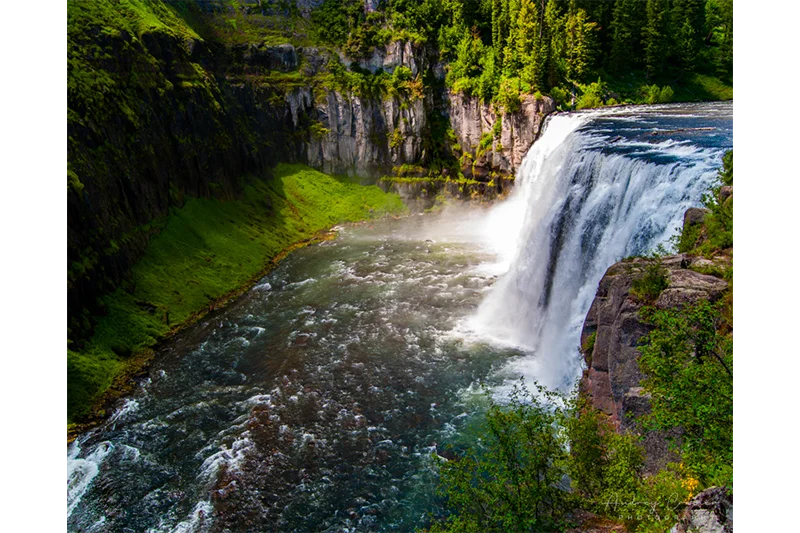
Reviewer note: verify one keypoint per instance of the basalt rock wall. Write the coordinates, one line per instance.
(612, 377)
(506, 136)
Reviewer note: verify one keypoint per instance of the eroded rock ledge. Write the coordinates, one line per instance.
(612, 378)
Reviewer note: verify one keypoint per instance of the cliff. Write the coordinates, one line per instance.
(613, 331)
(616, 325)
(491, 141)
(167, 103)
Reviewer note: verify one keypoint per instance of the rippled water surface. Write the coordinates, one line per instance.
(319, 399)
(312, 403)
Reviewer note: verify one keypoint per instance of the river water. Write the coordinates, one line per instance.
(319, 399)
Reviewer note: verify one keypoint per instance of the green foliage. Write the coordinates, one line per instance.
(561, 96)
(605, 469)
(510, 480)
(688, 238)
(334, 20)
(317, 130)
(588, 345)
(716, 232)
(726, 174)
(396, 138)
(658, 95)
(593, 95)
(508, 96)
(688, 363)
(207, 249)
(651, 281)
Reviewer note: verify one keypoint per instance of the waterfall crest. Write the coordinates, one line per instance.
(595, 188)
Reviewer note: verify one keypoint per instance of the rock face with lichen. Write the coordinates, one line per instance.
(711, 511)
(612, 377)
(506, 136)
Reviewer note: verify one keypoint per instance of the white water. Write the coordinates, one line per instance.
(330, 385)
(81, 472)
(578, 208)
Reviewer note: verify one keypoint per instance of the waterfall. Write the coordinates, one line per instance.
(596, 187)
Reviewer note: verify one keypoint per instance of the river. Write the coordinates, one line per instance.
(319, 400)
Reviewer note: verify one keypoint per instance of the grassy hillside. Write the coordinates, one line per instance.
(206, 250)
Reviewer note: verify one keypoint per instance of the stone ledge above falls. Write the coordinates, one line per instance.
(612, 377)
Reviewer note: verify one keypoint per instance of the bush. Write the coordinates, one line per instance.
(510, 482)
(658, 95)
(687, 360)
(561, 96)
(593, 95)
(508, 95)
(651, 282)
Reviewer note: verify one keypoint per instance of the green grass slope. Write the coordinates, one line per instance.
(206, 250)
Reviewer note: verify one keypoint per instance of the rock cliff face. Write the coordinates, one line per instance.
(475, 121)
(612, 378)
(161, 115)
(362, 136)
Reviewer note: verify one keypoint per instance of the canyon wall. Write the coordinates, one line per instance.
(161, 114)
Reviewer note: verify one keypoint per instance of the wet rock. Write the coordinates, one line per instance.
(711, 511)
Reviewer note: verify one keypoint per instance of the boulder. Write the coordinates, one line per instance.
(711, 511)
(725, 192)
(694, 216)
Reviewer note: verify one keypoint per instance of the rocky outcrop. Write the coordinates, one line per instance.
(694, 216)
(505, 144)
(612, 377)
(364, 136)
(389, 57)
(711, 511)
(422, 194)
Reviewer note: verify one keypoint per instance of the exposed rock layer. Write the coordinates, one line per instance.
(190, 118)
(473, 120)
(612, 379)
(711, 511)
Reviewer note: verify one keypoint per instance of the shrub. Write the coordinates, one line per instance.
(561, 96)
(687, 360)
(592, 96)
(396, 138)
(511, 482)
(653, 279)
(654, 94)
(508, 95)
(588, 345)
(726, 174)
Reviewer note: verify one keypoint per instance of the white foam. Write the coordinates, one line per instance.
(81, 471)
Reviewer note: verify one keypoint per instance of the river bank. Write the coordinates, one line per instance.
(205, 254)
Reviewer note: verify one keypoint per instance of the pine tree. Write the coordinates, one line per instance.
(556, 64)
(528, 44)
(688, 19)
(628, 19)
(654, 36)
(579, 44)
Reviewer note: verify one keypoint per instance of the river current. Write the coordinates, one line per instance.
(320, 399)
